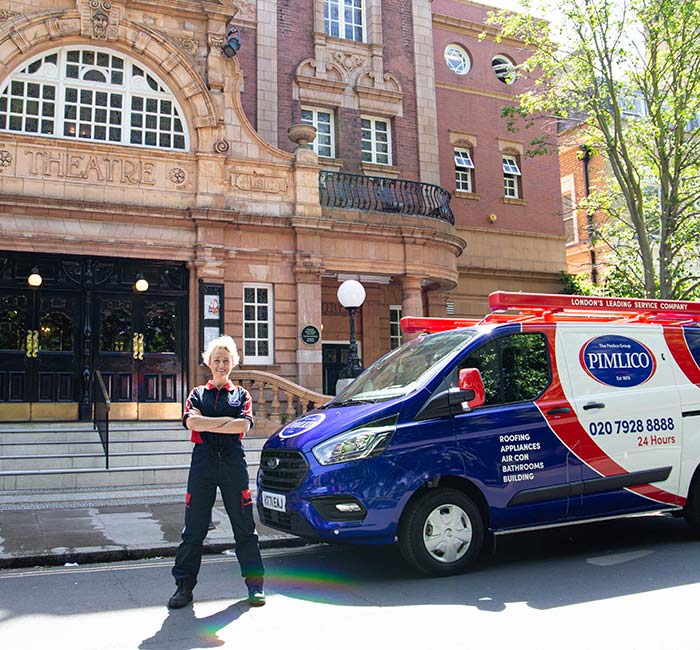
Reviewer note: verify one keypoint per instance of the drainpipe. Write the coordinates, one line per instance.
(585, 159)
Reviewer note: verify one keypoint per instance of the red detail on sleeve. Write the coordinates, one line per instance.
(188, 498)
(246, 499)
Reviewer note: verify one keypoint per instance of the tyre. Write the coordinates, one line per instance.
(441, 532)
(691, 513)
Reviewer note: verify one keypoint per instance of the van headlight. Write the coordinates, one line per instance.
(368, 440)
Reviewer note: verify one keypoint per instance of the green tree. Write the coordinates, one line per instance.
(627, 72)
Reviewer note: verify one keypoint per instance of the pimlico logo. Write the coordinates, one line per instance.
(617, 361)
(302, 425)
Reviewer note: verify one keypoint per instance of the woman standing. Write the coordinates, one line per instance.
(219, 414)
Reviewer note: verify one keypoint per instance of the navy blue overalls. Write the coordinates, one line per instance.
(218, 460)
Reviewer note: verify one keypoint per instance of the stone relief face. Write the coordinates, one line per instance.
(100, 23)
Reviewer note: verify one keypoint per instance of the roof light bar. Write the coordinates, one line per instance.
(412, 324)
(500, 300)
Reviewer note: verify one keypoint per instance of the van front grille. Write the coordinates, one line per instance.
(282, 470)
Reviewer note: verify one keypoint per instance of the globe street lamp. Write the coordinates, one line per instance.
(351, 295)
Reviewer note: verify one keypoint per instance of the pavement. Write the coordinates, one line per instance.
(80, 528)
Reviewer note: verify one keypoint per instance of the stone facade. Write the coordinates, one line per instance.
(238, 204)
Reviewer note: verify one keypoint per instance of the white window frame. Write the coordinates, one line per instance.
(395, 313)
(457, 59)
(569, 213)
(504, 69)
(258, 359)
(369, 137)
(327, 148)
(332, 18)
(633, 106)
(511, 171)
(138, 82)
(464, 170)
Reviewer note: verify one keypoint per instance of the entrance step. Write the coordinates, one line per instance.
(69, 456)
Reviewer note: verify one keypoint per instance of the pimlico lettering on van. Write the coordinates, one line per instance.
(617, 361)
(549, 411)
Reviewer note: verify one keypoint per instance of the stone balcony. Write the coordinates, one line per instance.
(379, 194)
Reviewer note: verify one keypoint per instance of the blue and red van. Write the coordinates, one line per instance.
(551, 410)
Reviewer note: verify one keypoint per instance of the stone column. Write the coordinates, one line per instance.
(309, 357)
(428, 157)
(267, 70)
(411, 300)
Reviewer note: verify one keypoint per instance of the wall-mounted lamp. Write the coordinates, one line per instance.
(233, 43)
(35, 279)
(141, 283)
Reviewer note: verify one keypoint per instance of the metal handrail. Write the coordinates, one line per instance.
(381, 194)
(101, 405)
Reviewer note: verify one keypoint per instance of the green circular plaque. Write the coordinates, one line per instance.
(310, 335)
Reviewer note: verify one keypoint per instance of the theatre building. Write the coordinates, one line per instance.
(157, 188)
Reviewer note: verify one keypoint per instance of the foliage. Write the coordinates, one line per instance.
(578, 284)
(624, 77)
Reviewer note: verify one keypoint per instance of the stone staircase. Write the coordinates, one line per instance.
(43, 461)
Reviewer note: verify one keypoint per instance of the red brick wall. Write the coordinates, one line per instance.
(295, 29)
(478, 112)
(248, 62)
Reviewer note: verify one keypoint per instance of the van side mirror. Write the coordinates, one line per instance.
(470, 380)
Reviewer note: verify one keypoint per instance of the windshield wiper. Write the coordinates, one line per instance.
(349, 402)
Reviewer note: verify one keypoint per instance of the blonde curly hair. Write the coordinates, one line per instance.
(225, 342)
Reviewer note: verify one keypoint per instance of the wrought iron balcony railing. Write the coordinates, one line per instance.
(359, 192)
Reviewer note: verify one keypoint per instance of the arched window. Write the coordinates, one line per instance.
(92, 94)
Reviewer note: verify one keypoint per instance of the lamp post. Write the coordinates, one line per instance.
(351, 295)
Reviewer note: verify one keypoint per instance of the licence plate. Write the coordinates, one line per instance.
(274, 501)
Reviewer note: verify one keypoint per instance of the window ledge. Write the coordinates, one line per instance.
(334, 164)
(471, 196)
(373, 169)
(508, 201)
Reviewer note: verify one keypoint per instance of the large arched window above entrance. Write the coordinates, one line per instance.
(92, 94)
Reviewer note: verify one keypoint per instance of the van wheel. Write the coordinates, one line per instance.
(441, 532)
(692, 507)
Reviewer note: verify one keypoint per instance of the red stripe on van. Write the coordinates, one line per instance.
(569, 430)
(675, 339)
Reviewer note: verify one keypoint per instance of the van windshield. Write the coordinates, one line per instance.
(399, 372)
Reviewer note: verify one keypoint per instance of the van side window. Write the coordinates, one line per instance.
(514, 368)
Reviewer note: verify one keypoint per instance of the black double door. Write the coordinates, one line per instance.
(40, 334)
(136, 341)
(138, 346)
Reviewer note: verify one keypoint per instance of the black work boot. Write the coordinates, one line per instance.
(181, 597)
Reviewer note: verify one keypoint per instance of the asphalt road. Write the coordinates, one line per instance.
(632, 584)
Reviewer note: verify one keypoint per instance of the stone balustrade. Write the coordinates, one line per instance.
(276, 400)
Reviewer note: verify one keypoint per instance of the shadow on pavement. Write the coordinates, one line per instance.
(182, 630)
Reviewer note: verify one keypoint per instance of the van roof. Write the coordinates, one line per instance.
(509, 307)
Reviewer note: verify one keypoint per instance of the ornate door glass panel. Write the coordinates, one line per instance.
(116, 325)
(159, 326)
(13, 322)
(56, 326)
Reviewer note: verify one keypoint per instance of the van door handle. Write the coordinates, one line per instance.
(559, 411)
(593, 405)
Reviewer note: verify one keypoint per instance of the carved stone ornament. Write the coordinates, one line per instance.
(99, 19)
(221, 146)
(347, 60)
(177, 175)
(190, 45)
(258, 182)
(6, 15)
(5, 159)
